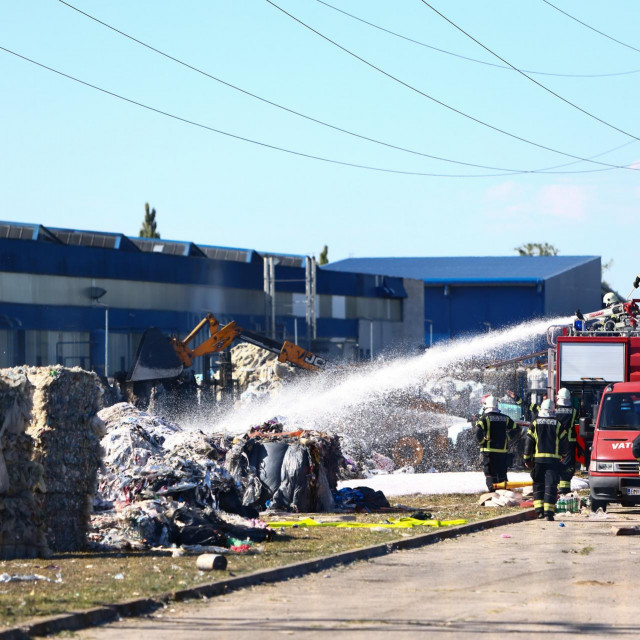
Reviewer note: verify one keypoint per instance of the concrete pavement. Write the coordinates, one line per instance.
(530, 579)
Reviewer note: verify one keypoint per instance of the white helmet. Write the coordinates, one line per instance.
(610, 298)
(490, 404)
(547, 409)
(564, 398)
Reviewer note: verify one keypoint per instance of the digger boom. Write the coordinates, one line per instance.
(159, 357)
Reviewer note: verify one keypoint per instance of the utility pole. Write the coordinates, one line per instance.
(270, 296)
(310, 298)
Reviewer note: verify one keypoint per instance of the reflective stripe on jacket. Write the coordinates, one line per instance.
(493, 432)
(546, 440)
(568, 417)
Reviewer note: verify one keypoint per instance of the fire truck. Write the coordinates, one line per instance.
(599, 362)
(598, 359)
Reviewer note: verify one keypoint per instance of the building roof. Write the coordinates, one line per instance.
(491, 269)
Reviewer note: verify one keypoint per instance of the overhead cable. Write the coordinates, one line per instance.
(284, 108)
(440, 102)
(489, 64)
(321, 122)
(584, 24)
(243, 138)
(522, 73)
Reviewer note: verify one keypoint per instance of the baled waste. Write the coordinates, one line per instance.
(22, 532)
(286, 470)
(66, 433)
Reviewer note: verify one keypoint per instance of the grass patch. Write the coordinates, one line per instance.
(89, 579)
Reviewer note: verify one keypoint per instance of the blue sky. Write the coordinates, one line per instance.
(75, 157)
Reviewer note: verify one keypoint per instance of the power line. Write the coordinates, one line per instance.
(245, 139)
(284, 108)
(443, 104)
(553, 93)
(316, 120)
(489, 64)
(584, 24)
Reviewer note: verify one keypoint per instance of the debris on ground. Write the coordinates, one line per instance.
(626, 531)
(162, 486)
(66, 433)
(391, 523)
(500, 498)
(22, 533)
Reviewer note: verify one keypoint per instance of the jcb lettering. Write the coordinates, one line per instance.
(316, 361)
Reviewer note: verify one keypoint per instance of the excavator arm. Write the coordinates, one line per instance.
(159, 357)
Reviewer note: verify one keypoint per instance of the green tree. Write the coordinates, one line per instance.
(149, 227)
(537, 249)
(324, 256)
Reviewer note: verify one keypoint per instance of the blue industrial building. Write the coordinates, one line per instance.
(80, 297)
(477, 294)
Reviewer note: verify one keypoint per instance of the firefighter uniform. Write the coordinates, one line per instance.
(567, 416)
(494, 430)
(545, 445)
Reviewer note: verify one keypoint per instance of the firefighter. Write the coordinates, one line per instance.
(534, 407)
(567, 416)
(516, 399)
(493, 432)
(545, 445)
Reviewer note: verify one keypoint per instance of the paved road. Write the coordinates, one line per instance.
(543, 581)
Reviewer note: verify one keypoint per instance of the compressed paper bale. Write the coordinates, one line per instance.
(67, 434)
(21, 524)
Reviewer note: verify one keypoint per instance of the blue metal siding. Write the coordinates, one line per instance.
(28, 256)
(477, 309)
(59, 318)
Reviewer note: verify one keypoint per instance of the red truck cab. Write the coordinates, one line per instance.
(613, 471)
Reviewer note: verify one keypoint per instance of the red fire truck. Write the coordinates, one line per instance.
(592, 364)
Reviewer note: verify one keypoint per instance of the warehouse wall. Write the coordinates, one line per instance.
(458, 310)
(576, 289)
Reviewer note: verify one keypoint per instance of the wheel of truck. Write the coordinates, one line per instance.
(407, 451)
(598, 504)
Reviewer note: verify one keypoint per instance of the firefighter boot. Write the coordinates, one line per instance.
(549, 516)
(540, 513)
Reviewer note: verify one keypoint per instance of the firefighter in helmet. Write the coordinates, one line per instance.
(545, 445)
(567, 416)
(494, 430)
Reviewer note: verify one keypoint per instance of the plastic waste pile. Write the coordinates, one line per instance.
(164, 486)
(67, 434)
(259, 372)
(286, 471)
(22, 532)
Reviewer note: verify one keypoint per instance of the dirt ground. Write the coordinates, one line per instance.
(530, 579)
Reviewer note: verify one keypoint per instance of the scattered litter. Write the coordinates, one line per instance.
(118, 576)
(392, 523)
(600, 514)
(505, 535)
(5, 577)
(561, 524)
(211, 562)
(626, 531)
